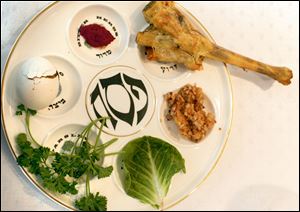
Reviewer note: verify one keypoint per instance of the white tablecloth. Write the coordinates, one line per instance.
(259, 169)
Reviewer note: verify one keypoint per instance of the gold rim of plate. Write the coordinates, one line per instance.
(47, 193)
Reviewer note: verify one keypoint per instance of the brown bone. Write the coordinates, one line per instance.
(164, 16)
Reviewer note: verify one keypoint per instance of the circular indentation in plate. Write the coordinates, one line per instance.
(69, 133)
(123, 94)
(162, 71)
(70, 87)
(106, 17)
(72, 132)
(171, 130)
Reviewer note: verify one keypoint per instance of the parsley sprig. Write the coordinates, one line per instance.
(60, 172)
(28, 112)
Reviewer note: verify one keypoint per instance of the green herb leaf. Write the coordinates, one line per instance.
(22, 141)
(28, 112)
(19, 113)
(52, 168)
(25, 147)
(83, 151)
(149, 164)
(92, 203)
(21, 107)
(71, 165)
(23, 160)
(31, 112)
(68, 145)
(100, 172)
(58, 184)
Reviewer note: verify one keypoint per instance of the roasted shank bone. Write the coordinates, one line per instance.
(164, 16)
(161, 47)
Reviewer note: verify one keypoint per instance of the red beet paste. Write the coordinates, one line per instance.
(96, 35)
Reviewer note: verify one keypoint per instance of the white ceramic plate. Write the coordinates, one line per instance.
(48, 35)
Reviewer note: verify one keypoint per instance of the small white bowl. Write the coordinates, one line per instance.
(112, 21)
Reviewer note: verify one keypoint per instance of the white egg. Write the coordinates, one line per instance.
(37, 83)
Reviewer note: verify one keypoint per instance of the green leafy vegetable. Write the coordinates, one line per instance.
(149, 164)
(32, 112)
(92, 203)
(68, 145)
(34, 159)
(79, 159)
(19, 113)
(21, 108)
(71, 165)
(28, 112)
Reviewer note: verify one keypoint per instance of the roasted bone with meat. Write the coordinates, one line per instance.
(161, 47)
(171, 38)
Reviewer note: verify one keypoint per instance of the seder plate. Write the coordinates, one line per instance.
(133, 94)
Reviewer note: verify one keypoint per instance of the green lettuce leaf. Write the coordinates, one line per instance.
(148, 165)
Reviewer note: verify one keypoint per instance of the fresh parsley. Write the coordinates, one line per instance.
(60, 172)
(92, 203)
(28, 112)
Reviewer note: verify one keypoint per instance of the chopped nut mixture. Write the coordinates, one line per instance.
(187, 110)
